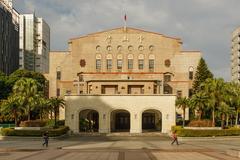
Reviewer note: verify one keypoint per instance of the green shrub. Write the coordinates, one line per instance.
(205, 133)
(34, 133)
(33, 123)
(200, 123)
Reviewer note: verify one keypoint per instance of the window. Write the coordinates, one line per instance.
(109, 64)
(119, 64)
(190, 92)
(167, 78)
(190, 73)
(179, 93)
(130, 63)
(98, 64)
(140, 64)
(151, 65)
(58, 75)
(58, 92)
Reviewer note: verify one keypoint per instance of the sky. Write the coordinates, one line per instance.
(204, 25)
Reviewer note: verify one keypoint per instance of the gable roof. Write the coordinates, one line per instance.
(128, 29)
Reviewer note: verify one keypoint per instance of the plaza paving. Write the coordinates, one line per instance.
(118, 148)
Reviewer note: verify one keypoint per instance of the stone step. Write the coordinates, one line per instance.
(233, 152)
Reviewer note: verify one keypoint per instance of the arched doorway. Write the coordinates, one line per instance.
(120, 121)
(151, 120)
(88, 121)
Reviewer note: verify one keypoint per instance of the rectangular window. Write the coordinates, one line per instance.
(119, 64)
(190, 92)
(179, 93)
(98, 64)
(140, 64)
(190, 75)
(151, 65)
(167, 78)
(58, 75)
(58, 92)
(130, 64)
(109, 64)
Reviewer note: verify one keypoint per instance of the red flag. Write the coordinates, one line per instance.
(125, 17)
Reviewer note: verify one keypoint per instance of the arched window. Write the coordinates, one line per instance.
(190, 73)
(130, 61)
(141, 62)
(109, 62)
(151, 62)
(98, 62)
(119, 62)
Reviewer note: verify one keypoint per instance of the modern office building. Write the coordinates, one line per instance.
(9, 37)
(235, 55)
(34, 43)
(123, 79)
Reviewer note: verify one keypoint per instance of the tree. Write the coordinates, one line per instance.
(233, 98)
(18, 74)
(56, 103)
(12, 106)
(198, 102)
(182, 103)
(202, 73)
(4, 86)
(26, 89)
(214, 89)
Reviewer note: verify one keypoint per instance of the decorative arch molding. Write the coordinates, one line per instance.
(98, 56)
(151, 56)
(119, 56)
(109, 56)
(141, 56)
(130, 56)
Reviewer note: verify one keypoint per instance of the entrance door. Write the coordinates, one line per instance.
(148, 121)
(122, 122)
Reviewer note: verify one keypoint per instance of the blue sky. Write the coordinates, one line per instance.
(204, 25)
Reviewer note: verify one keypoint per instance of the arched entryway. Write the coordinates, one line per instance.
(88, 121)
(120, 121)
(151, 120)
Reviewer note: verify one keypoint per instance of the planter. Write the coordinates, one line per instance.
(203, 128)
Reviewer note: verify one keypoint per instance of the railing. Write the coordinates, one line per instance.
(7, 125)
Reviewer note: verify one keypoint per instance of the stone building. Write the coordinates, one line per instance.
(123, 79)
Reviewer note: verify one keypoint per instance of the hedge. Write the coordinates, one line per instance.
(34, 133)
(205, 133)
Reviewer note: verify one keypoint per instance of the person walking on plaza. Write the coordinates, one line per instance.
(45, 139)
(175, 139)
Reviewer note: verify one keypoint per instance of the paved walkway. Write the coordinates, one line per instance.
(117, 148)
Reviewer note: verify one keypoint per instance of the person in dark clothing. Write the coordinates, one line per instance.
(175, 139)
(45, 139)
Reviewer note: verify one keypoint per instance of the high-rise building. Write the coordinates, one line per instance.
(34, 43)
(9, 37)
(235, 55)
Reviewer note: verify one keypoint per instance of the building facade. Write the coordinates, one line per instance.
(9, 37)
(235, 54)
(124, 79)
(34, 43)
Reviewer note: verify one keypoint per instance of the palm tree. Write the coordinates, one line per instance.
(198, 102)
(182, 103)
(12, 105)
(27, 91)
(43, 104)
(233, 98)
(214, 88)
(56, 103)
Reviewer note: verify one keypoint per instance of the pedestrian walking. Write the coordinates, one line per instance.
(175, 139)
(45, 139)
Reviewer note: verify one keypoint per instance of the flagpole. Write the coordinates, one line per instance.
(125, 22)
